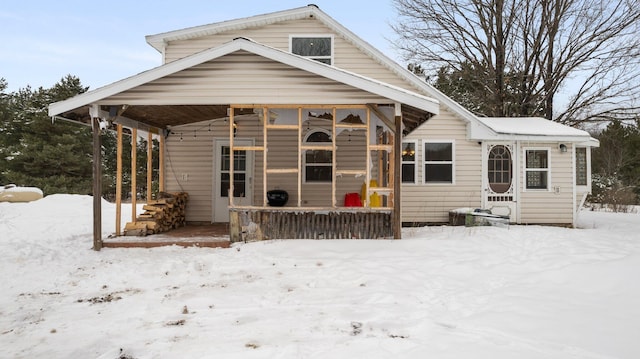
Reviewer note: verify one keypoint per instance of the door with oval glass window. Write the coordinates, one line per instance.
(499, 179)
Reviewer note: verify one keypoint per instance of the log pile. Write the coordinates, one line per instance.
(160, 215)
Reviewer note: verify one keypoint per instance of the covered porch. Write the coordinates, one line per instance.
(357, 167)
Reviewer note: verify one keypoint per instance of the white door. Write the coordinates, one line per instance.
(499, 179)
(243, 178)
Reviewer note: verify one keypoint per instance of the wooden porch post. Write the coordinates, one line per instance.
(397, 179)
(161, 162)
(97, 184)
(149, 165)
(119, 181)
(134, 166)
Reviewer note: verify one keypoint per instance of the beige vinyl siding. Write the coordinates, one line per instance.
(554, 206)
(346, 55)
(190, 162)
(242, 77)
(431, 203)
(188, 168)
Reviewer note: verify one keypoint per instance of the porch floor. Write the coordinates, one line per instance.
(211, 235)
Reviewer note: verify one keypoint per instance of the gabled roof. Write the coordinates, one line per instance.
(382, 89)
(158, 42)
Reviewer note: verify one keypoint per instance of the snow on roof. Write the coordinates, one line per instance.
(531, 126)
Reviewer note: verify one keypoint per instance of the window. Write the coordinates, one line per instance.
(499, 169)
(317, 48)
(239, 175)
(318, 164)
(438, 162)
(581, 166)
(537, 169)
(408, 162)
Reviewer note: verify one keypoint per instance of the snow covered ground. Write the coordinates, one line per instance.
(445, 292)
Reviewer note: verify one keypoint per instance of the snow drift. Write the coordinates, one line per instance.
(444, 292)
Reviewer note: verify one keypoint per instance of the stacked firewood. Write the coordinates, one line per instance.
(160, 215)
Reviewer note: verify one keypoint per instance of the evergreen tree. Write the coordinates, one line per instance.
(5, 118)
(55, 157)
(616, 164)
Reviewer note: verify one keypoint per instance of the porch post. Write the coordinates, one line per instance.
(397, 176)
(161, 162)
(134, 166)
(97, 184)
(119, 181)
(149, 165)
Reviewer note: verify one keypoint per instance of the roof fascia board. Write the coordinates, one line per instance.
(367, 84)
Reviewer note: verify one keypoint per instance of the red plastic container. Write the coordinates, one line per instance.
(352, 200)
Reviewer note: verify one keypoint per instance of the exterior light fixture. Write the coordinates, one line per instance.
(563, 148)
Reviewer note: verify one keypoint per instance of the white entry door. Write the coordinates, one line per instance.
(499, 179)
(243, 178)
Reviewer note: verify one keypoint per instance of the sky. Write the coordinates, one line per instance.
(101, 42)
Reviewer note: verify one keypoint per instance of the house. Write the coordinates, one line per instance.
(357, 144)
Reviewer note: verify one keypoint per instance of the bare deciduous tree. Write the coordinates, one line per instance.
(535, 49)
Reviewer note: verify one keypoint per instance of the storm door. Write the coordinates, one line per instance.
(499, 179)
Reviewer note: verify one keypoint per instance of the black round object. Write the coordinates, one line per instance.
(277, 197)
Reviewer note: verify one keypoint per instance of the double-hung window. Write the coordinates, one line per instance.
(536, 171)
(438, 162)
(408, 162)
(318, 47)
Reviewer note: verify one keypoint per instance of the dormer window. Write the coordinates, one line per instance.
(319, 48)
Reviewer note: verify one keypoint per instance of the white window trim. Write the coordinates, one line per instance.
(304, 155)
(588, 152)
(415, 162)
(525, 170)
(423, 162)
(330, 36)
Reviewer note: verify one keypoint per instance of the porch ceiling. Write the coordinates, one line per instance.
(165, 116)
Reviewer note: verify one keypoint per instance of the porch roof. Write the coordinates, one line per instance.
(533, 128)
(179, 112)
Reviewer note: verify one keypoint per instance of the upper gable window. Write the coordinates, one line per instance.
(319, 48)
